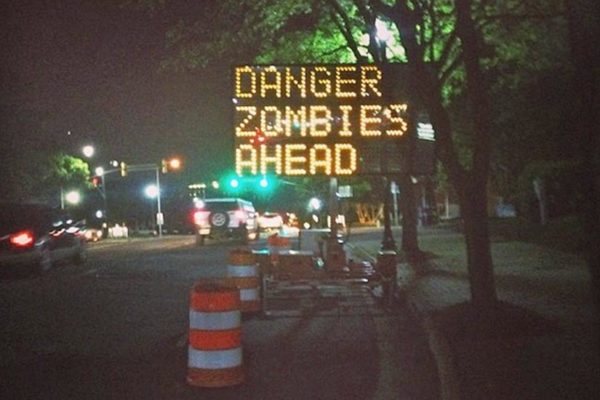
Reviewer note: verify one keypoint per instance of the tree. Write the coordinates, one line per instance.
(583, 18)
(37, 176)
(453, 55)
(65, 170)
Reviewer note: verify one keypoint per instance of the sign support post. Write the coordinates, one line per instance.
(335, 258)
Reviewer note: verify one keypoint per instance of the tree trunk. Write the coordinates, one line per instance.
(539, 187)
(471, 184)
(583, 18)
(410, 242)
(473, 202)
(408, 204)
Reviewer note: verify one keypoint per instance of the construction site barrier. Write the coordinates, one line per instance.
(263, 259)
(215, 336)
(294, 264)
(387, 261)
(243, 272)
(277, 244)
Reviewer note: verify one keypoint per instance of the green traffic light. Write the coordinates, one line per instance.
(264, 183)
(234, 183)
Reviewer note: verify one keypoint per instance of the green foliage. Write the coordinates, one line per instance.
(63, 170)
(245, 31)
(321, 46)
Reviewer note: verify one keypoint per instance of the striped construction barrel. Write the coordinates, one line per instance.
(243, 272)
(215, 336)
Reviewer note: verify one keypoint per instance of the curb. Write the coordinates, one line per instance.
(441, 351)
(437, 342)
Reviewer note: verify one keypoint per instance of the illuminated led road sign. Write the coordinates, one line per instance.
(328, 120)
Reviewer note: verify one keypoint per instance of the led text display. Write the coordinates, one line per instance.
(312, 120)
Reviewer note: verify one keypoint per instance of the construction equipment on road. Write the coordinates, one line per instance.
(297, 280)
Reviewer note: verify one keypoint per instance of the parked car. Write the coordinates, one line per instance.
(36, 237)
(225, 217)
(269, 221)
(92, 234)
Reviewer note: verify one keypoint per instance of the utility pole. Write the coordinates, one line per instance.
(159, 215)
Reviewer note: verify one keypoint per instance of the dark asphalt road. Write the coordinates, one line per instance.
(116, 328)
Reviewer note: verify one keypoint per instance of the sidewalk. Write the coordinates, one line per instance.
(543, 341)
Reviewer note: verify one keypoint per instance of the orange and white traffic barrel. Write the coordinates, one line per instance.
(243, 272)
(215, 336)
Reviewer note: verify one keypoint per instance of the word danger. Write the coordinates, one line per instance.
(317, 82)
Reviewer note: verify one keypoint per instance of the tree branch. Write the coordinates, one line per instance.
(444, 74)
(333, 51)
(447, 50)
(370, 18)
(345, 27)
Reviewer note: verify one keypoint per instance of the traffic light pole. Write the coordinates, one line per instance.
(159, 216)
(156, 169)
(123, 169)
(102, 191)
(335, 258)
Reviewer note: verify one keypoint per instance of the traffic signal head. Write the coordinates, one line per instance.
(258, 138)
(123, 168)
(96, 181)
(170, 165)
(264, 182)
(231, 183)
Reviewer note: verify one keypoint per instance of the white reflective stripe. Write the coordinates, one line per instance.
(214, 359)
(249, 294)
(215, 321)
(242, 270)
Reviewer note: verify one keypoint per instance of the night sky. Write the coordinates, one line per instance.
(92, 69)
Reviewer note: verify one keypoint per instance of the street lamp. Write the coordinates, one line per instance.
(73, 197)
(151, 191)
(88, 151)
(314, 204)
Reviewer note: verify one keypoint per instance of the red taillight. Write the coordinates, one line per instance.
(22, 239)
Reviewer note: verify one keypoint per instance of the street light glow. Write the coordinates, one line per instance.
(73, 197)
(151, 191)
(315, 203)
(88, 151)
(383, 32)
(99, 171)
